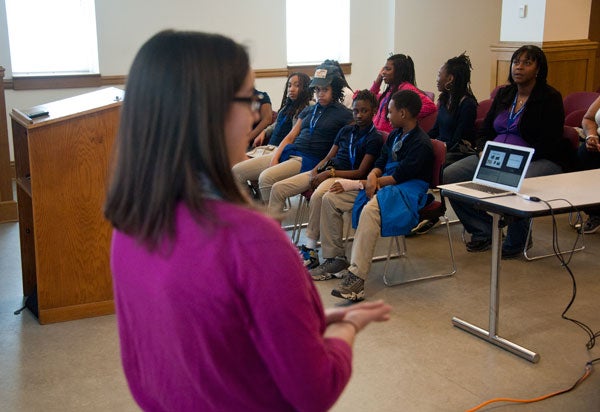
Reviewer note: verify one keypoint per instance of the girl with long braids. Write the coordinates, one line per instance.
(399, 74)
(457, 109)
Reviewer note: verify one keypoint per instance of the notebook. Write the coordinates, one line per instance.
(500, 171)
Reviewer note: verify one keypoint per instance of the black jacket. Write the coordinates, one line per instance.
(541, 122)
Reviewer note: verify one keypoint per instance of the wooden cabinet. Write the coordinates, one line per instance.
(61, 165)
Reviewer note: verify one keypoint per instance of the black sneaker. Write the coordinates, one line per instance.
(351, 287)
(425, 226)
(332, 267)
(479, 245)
(592, 224)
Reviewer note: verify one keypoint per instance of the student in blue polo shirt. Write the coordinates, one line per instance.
(383, 204)
(311, 138)
(354, 151)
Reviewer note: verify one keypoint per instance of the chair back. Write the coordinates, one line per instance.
(428, 121)
(572, 136)
(578, 101)
(575, 118)
(439, 158)
(483, 108)
(384, 135)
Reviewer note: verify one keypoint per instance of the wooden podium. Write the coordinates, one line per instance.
(61, 165)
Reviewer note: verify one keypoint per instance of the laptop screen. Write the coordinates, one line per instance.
(503, 165)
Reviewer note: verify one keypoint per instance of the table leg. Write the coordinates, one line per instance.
(491, 336)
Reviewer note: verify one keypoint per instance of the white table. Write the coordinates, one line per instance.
(581, 189)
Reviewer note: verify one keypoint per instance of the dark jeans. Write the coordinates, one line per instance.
(477, 222)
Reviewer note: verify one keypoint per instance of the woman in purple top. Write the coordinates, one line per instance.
(204, 323)
(527, 112)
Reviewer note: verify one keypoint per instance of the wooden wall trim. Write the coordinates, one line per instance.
(66, 82)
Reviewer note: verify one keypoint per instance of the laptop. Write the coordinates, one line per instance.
(500, 171)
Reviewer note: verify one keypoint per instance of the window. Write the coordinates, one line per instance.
(317, 30)
(52, 38)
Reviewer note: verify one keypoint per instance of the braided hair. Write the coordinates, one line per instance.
(460, 68)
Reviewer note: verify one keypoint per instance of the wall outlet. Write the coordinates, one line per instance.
(523, 11)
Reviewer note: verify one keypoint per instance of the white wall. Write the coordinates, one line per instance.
(527, 30)
(432, 31)
(545, 20)
(567, 20)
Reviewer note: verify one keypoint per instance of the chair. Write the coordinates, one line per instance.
(482, 109)
(433, 210)
(575, 118)
(428, 121)
(301, 216)
(570, 134)
(579, 101)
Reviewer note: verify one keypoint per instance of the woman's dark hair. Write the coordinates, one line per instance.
(533, 53)
(404, 71)
(171, 141)
(460, 68)
(409, 100)
(293, 107)
(367, 96)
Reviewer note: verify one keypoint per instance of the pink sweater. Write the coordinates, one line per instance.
(226, 318)
(381, 121)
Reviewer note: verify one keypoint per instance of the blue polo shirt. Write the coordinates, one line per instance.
(320, 126)
(354, 144)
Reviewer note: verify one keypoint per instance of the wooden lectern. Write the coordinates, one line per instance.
(61, 165)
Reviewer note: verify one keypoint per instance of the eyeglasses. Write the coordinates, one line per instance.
(253, 101)
(526, 63)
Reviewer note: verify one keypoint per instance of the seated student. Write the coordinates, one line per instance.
(398, 74)
(402, 170)
(311, 138)
(589, 156)
(266, 117)
(527, 112)
(455, 123)
(297, 95)
(351, 157)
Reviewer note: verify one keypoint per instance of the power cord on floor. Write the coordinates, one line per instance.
(565, 263)
(587, 372)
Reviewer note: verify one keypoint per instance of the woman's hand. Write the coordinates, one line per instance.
(360, 314)
(592, 144)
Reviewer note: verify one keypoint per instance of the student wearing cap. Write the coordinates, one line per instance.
(312, 136)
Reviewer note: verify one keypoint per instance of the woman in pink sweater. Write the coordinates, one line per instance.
(398, 74)
(205, 322)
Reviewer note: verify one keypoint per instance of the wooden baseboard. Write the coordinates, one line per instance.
(8, 211)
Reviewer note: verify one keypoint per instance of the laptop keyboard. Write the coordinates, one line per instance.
(483, 188)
